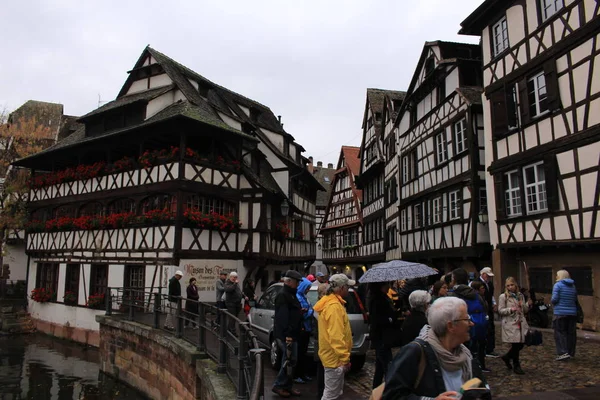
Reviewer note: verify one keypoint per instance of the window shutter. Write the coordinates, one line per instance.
(511, 107)
(552, 85)
(499, 193)
(499, 121)
(551, 176)
(524, 101)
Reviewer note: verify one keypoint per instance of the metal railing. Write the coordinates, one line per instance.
(215, 332)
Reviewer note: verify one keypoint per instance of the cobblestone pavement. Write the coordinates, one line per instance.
(542, 373)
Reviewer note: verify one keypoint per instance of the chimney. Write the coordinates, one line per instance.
(310, 167)
(320, 164)
(330, 165)
(279, 119)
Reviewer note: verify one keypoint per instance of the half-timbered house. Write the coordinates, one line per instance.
(176, 173)
(441, 174)
(391, 107)
(542, 125)
(343, 224)
(377, 191)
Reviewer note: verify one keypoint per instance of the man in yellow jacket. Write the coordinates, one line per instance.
(335, 336)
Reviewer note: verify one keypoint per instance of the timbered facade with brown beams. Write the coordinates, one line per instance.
(343, 223)
(441, 154)
(391, 107)
(178, 172)
(542, 96)
(377, 191)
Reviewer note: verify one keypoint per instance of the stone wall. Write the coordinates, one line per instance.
(157, 364)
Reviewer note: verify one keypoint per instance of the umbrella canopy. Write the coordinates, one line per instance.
(396, 270)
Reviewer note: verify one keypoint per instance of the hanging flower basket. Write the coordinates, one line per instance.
(42, 295)
(96, 301)
(70, 298)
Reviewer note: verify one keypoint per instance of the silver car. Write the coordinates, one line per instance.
(261, 320)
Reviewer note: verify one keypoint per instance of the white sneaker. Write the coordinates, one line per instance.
(562, 357)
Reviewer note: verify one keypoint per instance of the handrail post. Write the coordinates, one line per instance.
(156, 310)
(258, 388)
(222, 366)
(242, 351)
(201, 328)
(108, 302)
(130, 298)
(179, 319)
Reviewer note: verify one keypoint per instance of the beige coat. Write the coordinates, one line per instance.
(514, 325)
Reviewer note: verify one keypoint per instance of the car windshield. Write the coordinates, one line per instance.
(352, 306)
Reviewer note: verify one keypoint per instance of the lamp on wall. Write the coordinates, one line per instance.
(285, 208)
(319, 246)
(483, 217)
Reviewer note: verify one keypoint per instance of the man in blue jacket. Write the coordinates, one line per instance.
(303, 339)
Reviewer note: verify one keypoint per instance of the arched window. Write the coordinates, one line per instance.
(65, 211)
(159, 202)
(207, 204)
(91, 209)
(121, 206)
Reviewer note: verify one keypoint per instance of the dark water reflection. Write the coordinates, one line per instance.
(40, 367)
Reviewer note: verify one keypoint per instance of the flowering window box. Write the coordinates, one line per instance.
(43, 295)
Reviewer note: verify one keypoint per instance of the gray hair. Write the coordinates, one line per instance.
(419, 300)
(442, 311)
(333, 289)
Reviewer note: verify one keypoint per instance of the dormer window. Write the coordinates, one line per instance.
(429, 66)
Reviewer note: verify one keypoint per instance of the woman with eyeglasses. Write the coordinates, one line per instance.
(512, 308)
(437, 363)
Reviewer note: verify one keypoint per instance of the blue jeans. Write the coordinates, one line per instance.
(565, 334)
(284, 381)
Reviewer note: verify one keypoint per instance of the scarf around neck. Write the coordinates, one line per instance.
(459, 359)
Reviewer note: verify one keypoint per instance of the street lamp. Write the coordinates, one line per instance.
(285, 208)
(483, 217)
(319, 246)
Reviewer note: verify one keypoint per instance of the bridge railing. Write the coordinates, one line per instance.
(222, 336)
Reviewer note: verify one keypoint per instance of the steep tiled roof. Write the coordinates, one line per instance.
(324, 176)
(46, 114)
(376, 97)
(351, 158)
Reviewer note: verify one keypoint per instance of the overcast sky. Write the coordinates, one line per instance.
(309, 61)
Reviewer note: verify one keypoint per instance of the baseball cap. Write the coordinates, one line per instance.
(311, 277)
(339, 280)
(320, 274)
(179, 273)
(294, 275)
(223, 272)
(486, 270)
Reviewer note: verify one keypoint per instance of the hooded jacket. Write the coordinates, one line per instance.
(335, 335)
(464, 292)
(305, 304)
(564, 297)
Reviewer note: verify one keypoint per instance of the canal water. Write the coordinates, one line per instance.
(37, 366)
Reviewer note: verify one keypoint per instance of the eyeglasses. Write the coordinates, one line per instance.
(463, 319)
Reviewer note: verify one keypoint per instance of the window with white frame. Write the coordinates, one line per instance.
(512, 194)
(403, 220)
(437, 210)
(460, 135)
(405, 169)
(500, 36)
(550, 7)
(482, 199)
(418, 221)
(441, 147)
(454, 199)
(538, 96)
(535, 188)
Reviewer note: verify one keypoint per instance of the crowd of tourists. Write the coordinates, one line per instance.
(444, 325)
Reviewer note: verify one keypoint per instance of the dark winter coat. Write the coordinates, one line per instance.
(381, 316)
(192, 293)
(288, 314)
(403, 372)
(233, 295)
(564, 297)
(412, 326)
(174, 289)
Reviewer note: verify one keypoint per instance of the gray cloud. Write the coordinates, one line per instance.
(309, 61)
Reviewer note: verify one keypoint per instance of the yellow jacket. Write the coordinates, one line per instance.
(335, 335)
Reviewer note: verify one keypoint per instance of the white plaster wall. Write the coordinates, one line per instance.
(452, 81)
(273, 160)
(15, 257)
(235, 124)
(206, 273)
(138, 86)
(160, 80)
(275, 138)
(76, 317)
(159, 103)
